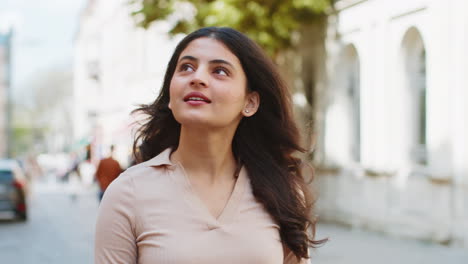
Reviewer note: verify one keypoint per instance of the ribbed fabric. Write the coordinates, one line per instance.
(151, 215)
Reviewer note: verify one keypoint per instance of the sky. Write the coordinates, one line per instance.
(44, 31)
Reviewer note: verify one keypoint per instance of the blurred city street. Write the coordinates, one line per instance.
(378, 94)
(60, 229)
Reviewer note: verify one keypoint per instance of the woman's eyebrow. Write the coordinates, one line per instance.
(216, 61)
(219, 61)
(187, 57)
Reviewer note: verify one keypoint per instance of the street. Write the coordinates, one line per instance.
(357, 247)
(60, 229)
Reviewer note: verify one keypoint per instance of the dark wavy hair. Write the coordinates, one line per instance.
(264, 143)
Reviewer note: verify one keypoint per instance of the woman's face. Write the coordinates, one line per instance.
(208, 87)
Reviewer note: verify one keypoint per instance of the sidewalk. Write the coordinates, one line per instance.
(346, 246)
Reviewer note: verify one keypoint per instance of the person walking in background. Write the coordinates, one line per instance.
(107, 171)
(87, 169)
(218, 180)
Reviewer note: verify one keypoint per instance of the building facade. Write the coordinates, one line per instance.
(5, 91)
(117, 67)
(393, 152)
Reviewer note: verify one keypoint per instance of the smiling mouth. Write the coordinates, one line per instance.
(196, 99)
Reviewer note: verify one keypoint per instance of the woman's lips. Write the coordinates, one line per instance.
(195, 103)
(196, 98)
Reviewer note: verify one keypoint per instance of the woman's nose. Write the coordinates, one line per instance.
(200, 78)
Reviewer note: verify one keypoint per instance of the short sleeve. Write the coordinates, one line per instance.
(115, 226)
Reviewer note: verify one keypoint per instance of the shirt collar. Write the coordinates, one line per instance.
(162, 159)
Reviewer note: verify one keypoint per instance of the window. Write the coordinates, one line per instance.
(353, 98)
(342, 139)
(6, 176)
(414, 59)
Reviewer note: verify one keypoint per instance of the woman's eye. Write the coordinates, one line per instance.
(221, 71)
(186, 67)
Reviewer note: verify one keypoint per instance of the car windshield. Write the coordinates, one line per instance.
(5, 176)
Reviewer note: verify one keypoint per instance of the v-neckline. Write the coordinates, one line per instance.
(230, 207)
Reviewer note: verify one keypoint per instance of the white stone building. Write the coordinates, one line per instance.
(393, 152)
(117, 67)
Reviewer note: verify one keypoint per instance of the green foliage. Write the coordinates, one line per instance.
(271, 23)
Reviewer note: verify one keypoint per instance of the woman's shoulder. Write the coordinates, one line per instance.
(142, 174)
(145, 177)
(151, 168)
(143, 169)
(152, 173)
(138, 182)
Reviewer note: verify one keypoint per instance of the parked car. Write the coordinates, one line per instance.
(13, 188)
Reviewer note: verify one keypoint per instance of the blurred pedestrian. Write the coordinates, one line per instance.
(218, 182)
(107, 171)
(73, 165)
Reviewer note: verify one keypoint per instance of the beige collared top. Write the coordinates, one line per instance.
(150, 214)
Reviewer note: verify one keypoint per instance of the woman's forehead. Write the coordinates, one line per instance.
(206, 48)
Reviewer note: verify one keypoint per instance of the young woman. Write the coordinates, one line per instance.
(218, 182)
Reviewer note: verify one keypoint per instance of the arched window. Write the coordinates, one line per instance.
(352, 90)
(343, 118)
(414, 80)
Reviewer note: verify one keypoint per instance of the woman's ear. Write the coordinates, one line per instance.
(251, 105)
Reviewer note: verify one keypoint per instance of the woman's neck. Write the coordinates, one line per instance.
(206, 154)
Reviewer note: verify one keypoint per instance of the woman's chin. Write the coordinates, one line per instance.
(206, 121)
(194, 122)
(209, 125)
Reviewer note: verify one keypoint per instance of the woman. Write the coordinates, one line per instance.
(218, 182)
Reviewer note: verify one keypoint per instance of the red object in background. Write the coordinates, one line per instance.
(21, 207)
(17, 184)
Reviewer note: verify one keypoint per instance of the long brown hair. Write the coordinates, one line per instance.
(264, 143)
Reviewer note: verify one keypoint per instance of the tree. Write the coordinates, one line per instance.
(271, 23)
